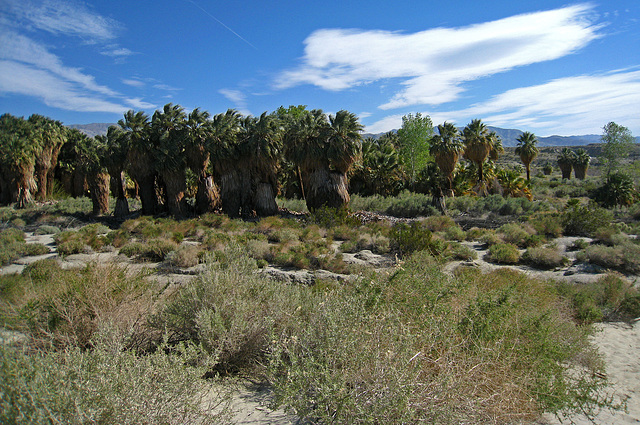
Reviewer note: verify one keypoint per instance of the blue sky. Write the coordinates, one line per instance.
(548, 67)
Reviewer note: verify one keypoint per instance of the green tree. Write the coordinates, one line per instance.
(378, 172)
(618, 190)
(527, 150)
(446, 148)
(617, 143)
(413, 143)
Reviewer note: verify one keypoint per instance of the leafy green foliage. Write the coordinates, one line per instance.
(409, 238)
(413, 143)
(503, 253)
(580, 220)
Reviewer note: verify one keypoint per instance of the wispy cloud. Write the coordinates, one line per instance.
(573, 105)
(27, 66)
(565, 106)
(433, 65)
(63, 17)
(54, 91)
(24, 50)
(238, 98)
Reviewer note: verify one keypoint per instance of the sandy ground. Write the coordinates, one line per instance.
(619, 343)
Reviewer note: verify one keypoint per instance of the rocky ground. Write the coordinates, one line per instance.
(618, 342)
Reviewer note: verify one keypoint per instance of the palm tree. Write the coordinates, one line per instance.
(17, 161)
(199, 131)
(513, 185)
(496, 146)
(379, 171)
(324, 150)
(139, 163)
(50, 135)
(527, 150)
(116, 151)
(565, 162)
(446, 149)
(91, 153)
(581, 164)
(229, 162)
(478, 145)
(264, 143)
(168, 135)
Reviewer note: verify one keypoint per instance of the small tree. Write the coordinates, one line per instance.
(413, 143)
(617, 143)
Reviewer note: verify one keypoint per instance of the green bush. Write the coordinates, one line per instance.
(46, 229)
(513, 233)
(544, 258)
(490, 346)
(503, 253)
(409, 238)
(579, 220)
(107, 384)
(184, 256)
(548, 224)
(461, 252)
(624, 257)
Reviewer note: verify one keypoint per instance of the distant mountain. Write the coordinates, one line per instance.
(92, 130)
(509, 138)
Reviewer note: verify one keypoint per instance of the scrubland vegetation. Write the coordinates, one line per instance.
(406, 341)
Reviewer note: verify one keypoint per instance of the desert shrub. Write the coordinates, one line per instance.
(406, 239)
(46, 229)
(11, 235)
(475, 233)
(492, 347)
(578, 244)
(408, 204)
(233, 311)
(611, 297)
(548, 224)
(107, 384)
(328, 217)
(624, 257)
(438, 223)
(461, 252)
(152, 250)
(65, 307)
(544, 257)
(491, 238)
(579, 220)
(513, 233)
(32, 249)
(283, 236)
(610, 235)
(503, 253)
(454, 233)
(343, 233)
(69, 242)
(184, 256)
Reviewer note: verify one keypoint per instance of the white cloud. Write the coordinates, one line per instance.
(133, 82)
(565, 106)
(54, 91)
(117, 52)
(238, 98)
(138, 103)
(433, 64)
(63, 17)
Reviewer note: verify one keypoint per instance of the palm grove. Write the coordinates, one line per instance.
(193, 163)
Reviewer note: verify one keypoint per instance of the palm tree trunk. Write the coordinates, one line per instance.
(147, 193)
(207, 196)
(42, 171)
(527, 166)
(326, 188)
(122, 205)
(99, 186)
(175, 186)
(265, 200)
(565, 169)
